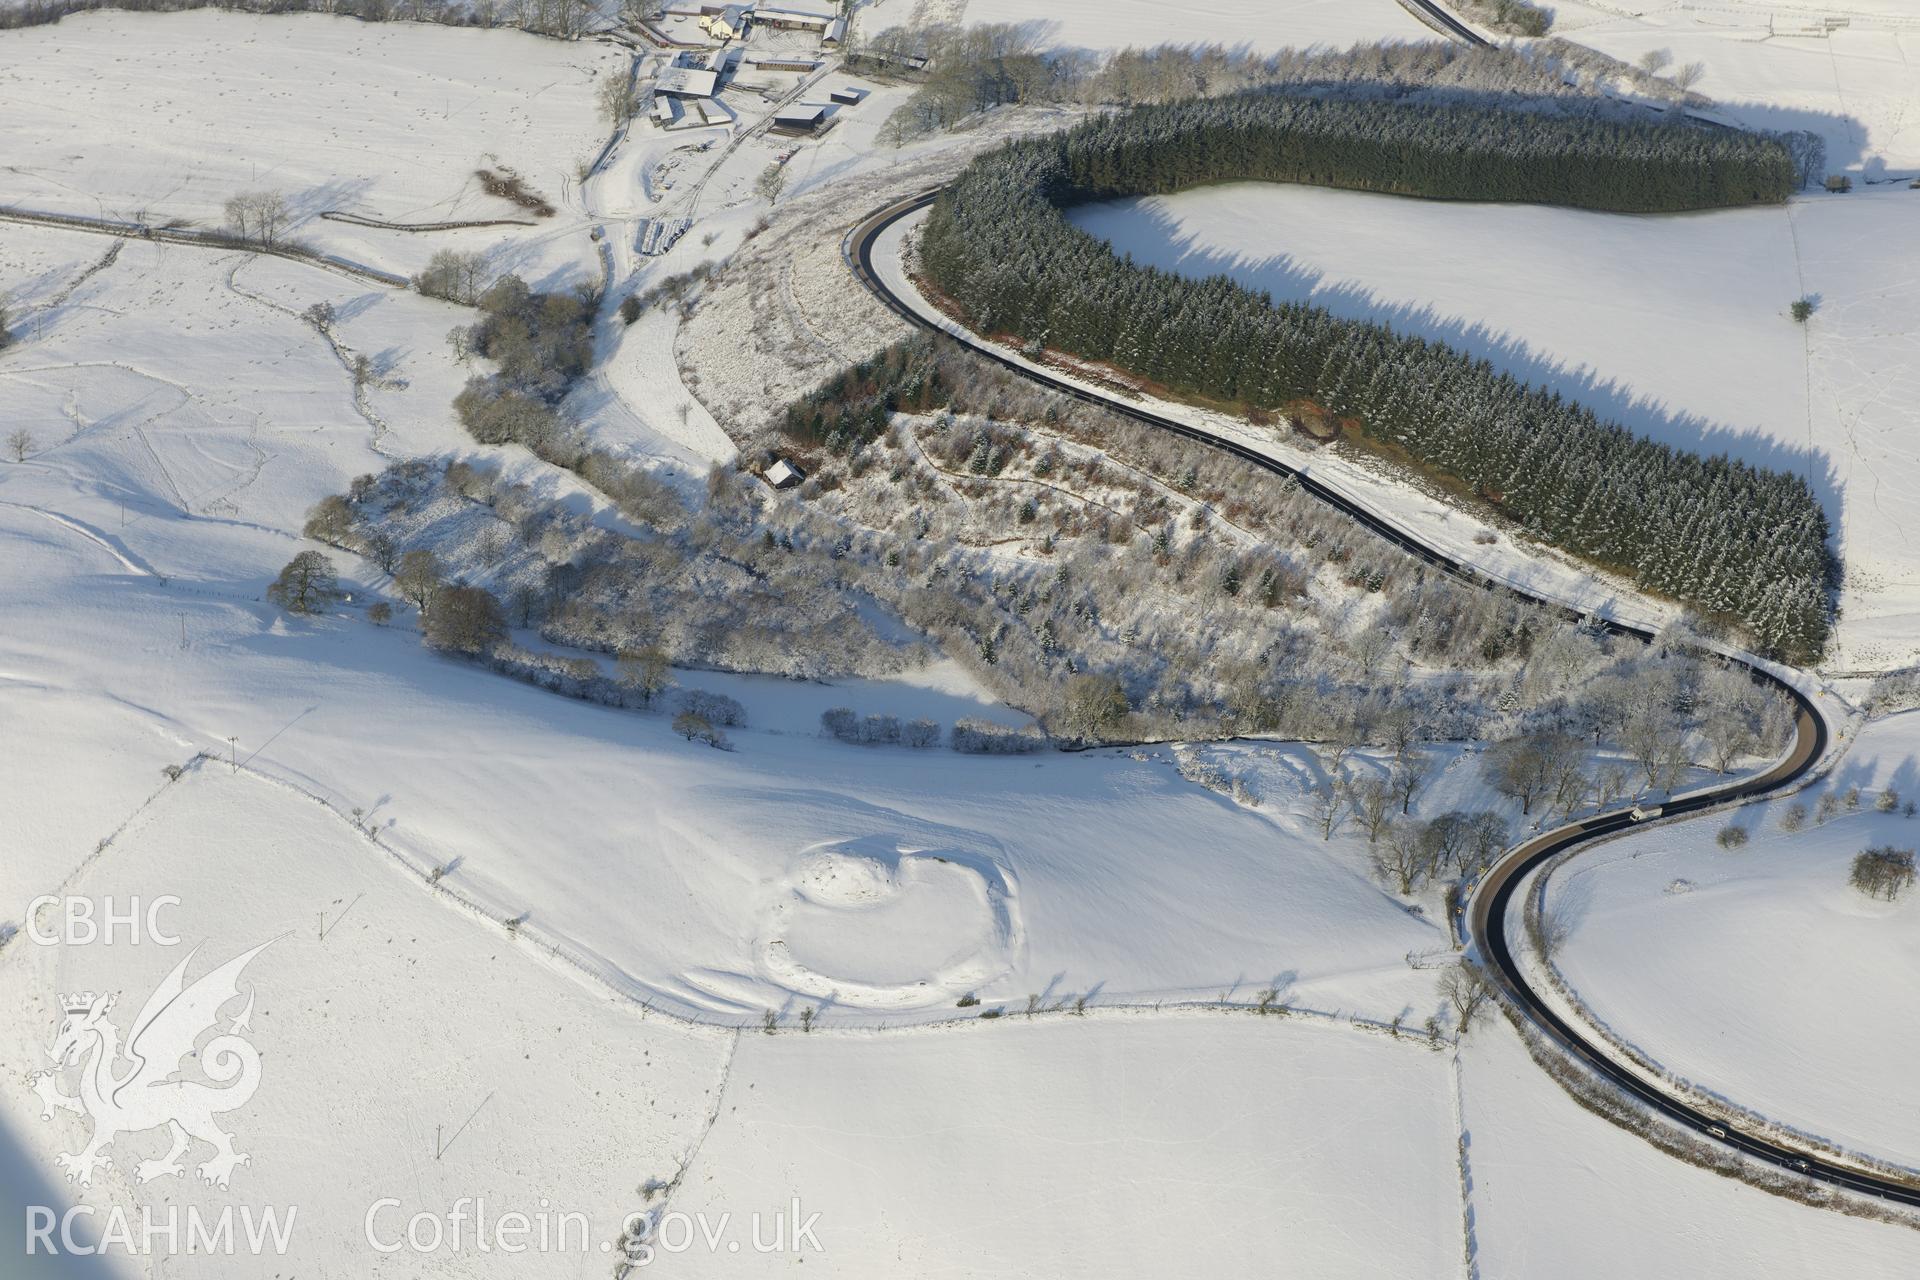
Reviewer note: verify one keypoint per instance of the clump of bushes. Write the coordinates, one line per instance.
(1508, 17)
(984, 737)
(715, 708)
(1732, 837)
(695, 727)
(855, 406)
(465, 620)
(454, 276)
(844, 724)
(1884, 873)
(509, 185)
(541, 341)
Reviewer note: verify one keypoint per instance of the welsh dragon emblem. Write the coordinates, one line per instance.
(146, 1092)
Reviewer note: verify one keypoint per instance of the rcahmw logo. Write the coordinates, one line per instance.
(148, 1233)
(148, 1083)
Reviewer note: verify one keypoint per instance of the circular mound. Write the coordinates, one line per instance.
(875, 923)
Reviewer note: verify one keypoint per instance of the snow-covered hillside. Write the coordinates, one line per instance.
(386, 121)
(983, 1015)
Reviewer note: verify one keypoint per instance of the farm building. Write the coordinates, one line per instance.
(731, 23)
(687, 82)
(835, 34)
(784, 62)
(664, 112)
(848, 96)
(799, 120)
(784, 475)
(793, 20)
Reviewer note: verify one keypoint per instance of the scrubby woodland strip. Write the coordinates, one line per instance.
(1729, 539)
(1508, 17)
(977, 68)
(1219, 596)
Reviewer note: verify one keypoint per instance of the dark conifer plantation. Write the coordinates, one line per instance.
(1727, 538)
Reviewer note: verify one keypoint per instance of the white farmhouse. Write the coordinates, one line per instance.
(731, 23)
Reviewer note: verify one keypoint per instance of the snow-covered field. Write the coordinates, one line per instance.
(192, 423)
(1559, 1191)
(165, 116)
(1260, 25)
(1190, 1145)
(1857, 87)
(522, 946)
(1675, 327)
(522, 1086)
(1757, 973)
(715, 883)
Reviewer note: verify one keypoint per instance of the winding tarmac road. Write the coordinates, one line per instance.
(1494, 893)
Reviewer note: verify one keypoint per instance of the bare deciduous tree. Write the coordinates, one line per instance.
(618, 100)
(259, 216)
(693, 726)
(1329, 805)
(419, 578)
(1466, 991)
(1092, 707)
(1410, 773)
(1551, 928)
(465, 620)
(644, 670)
(1526, 766)
(306, 585)
(1884, 872)
(770, 182)
(455, 277)
(20, 443)
(1402, 857)
(1570, 784)
(1486, 839)
(1373, 806)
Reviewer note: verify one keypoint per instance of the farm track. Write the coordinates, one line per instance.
(199, 240)
(1494, 893)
